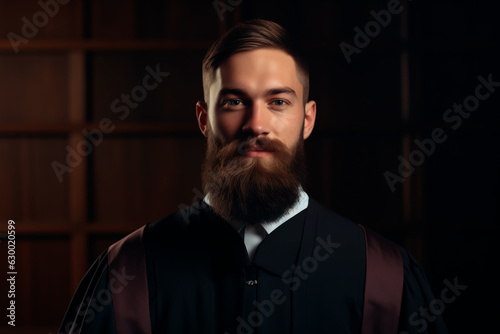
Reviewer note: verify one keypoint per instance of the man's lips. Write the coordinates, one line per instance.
(257, 151)
(257, 148)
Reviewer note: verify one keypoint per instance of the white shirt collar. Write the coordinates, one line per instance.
(299, 206)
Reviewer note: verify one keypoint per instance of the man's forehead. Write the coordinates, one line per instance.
(262, 68)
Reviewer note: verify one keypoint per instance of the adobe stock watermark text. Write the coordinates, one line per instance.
(11, 273)
(372, 29)
(121, 106)
(452, 117)
(39, 19)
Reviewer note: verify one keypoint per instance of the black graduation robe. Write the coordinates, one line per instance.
(307, 276)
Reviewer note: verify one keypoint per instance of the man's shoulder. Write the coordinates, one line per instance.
(172, 226)
(187, 222)
(179, 220)
(332, 222)
(329, 219)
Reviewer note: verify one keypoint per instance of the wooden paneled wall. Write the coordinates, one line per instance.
(77, 85)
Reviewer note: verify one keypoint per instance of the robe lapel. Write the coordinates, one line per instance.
(299, 304)
(278, 252)
(284, 249)
(223, 242)
(229, 258)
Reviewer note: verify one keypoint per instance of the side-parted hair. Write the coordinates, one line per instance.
(252, 35)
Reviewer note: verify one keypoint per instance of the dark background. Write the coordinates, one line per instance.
(370, 112)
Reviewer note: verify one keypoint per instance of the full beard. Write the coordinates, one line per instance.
(250, 189)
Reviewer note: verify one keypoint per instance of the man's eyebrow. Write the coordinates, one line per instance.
(283, 90)
(272, 91)
(231, 91)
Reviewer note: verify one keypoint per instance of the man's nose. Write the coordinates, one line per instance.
(257, 120)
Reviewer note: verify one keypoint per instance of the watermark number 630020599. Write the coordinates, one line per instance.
(11, 272)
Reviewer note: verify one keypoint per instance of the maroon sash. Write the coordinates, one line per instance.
(129, 284)
(383, 285)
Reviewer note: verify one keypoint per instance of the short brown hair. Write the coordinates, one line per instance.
(252, 35)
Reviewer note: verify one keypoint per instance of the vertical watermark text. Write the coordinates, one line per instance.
(11, 272)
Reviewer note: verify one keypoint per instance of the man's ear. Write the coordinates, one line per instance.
(309, 118)
(202, 116)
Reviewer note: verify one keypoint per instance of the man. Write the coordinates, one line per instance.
(257, 255)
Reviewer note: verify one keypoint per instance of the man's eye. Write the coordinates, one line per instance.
(232, 102)
(280, 104)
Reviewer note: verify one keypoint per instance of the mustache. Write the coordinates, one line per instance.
(228, 154)
(242, 147)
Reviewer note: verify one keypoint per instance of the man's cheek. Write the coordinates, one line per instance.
(227, 125)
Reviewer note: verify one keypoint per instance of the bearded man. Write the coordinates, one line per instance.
(256, 255)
